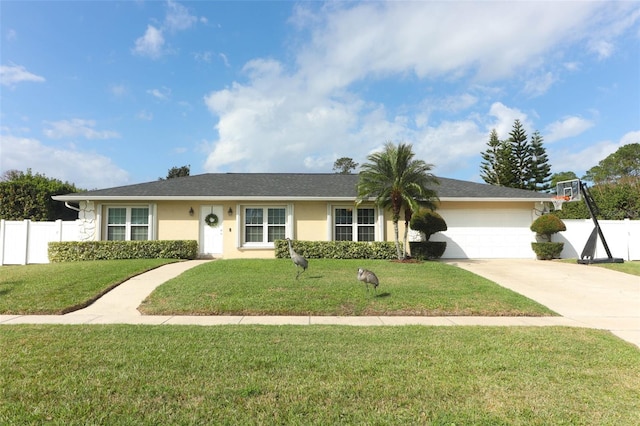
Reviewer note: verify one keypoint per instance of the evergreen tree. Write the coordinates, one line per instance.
(344, 165)
(521, 157)
(516, 162)
(540, 168)
(176, 172)
(496, 167)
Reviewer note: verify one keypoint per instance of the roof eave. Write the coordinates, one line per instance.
(194, 198)
(74, 198)
(497, 199)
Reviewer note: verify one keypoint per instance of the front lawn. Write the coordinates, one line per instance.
(628, 267)
(56, 288)
(330, 287)
(316, 375)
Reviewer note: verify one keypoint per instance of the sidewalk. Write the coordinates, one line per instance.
(585, 296)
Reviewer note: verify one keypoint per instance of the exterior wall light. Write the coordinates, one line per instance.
(230, 212)
(191, 211)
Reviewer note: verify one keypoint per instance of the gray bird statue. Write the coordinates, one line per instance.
(368, 277)
(297, 260)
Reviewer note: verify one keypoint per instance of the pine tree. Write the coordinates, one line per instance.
(496, 167)
(521, 157)
(516, 162)
(540, 168)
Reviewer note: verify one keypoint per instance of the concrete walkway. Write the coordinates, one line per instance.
(585, 296)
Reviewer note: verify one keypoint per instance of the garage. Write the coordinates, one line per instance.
(487, 233)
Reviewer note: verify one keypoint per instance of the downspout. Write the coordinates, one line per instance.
(69, 206)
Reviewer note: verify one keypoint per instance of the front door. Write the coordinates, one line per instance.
(211, 231)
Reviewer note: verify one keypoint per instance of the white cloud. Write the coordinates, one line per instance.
(84, 169)
(162, 94)
(315, 110)
(11, 35)
(567, 128)
(504, 118)
(224, 59)
(178, 17)
(144, 115)
(602, 48)
(539, 85)
(77, 128)
(118, 90)
(581, 158)
(151, 44)
(10, 75)
(206, 56)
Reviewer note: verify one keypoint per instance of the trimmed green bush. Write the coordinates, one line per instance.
(427, 250)
(548, 224)
(338, 249)
(547, 251)
(72, 251)
(428, 222)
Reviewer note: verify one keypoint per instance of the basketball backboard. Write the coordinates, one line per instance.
(569, 190)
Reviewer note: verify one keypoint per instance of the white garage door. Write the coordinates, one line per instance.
(483, 234)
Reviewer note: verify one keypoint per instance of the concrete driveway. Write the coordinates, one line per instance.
(592, 295)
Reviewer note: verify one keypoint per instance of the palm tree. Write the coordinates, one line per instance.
(397, 181)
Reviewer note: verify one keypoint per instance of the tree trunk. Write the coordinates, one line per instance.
(404, 241)
(395, 232)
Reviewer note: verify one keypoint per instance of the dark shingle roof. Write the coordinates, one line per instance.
(283, 186)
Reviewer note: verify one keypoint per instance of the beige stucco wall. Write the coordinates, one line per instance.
(174, 221)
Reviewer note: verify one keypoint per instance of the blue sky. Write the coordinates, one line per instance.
(108, 93)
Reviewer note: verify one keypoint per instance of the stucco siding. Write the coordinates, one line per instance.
(175, 222)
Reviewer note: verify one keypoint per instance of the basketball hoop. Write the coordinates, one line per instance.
(559, 200)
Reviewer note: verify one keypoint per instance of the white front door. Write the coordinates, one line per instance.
(210, 234)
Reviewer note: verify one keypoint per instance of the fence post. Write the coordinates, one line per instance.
(27, 226)
(2, 238)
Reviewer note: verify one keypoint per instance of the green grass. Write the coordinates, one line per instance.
(330, 287)
(316, 375)
(56, 288)
(632, 267)
(628, 267)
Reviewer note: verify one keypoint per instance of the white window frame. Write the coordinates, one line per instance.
(128, 225)
(354, 221)
(265, 243)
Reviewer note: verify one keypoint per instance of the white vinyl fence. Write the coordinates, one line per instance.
(25, 241)
(622, 236)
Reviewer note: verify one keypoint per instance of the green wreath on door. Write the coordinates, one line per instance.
(211, 219)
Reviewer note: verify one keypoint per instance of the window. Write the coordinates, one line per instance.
(127, 223)
(264, 225)
(344, 224)
(358, 228)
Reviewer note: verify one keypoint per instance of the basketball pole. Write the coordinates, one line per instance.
(588, 253)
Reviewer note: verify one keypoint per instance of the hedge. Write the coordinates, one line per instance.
(427, 250)
(338, 249)
(547, 251)
(72, 251)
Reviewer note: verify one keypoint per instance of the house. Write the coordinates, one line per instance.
(236, 215)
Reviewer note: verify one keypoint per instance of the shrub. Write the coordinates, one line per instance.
(72, 251)
(338, 249)
(548, 224)
(427, 250)
(547, 251)
(428, 222)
